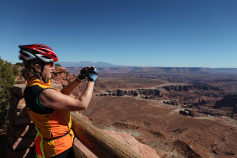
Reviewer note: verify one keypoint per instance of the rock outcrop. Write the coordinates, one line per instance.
(132, 143)
(59, 70)
(189, 87)
(187, 112)
(228, 103)
(127, 140)
(142, 93)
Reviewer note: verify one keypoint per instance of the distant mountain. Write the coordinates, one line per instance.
(225, 69)
(111, 68)
(86, 63)
(156, 70)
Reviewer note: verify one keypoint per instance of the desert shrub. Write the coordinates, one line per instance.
(20, 63)
(15, 70)
(6, 82)
(57, 65)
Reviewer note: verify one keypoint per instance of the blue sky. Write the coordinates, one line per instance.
(166, 33)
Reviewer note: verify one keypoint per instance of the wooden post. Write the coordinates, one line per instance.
(98, 142)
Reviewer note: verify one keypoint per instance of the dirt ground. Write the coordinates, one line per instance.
(163, 128)
(159, 125)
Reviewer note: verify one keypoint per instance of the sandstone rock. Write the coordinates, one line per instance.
(183, 112)
(84, 149)
(120, 92)
(167, 88)
(57, 86)
(143, 93)
(71, 79)
(135, 93)
(227, 101)
(64, 83)
(61, 69)
(161, 94)
(185, 88)
(56, 79)
(133, 144)
(184, 149)
(126, 140)
(180, 88)
(187, 112)
(63, 76)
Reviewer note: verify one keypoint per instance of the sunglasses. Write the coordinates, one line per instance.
(50, 64)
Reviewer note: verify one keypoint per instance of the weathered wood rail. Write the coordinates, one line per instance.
(98, 142)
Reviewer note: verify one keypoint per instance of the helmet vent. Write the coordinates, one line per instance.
(23, 53)
(53, 55)
(46, 57)
(30, 46)
(41, 46)
(44, 50)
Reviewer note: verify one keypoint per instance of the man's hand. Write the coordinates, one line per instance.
(92, 74)
(83, 73)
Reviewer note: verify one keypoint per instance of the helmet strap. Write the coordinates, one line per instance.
(42, 69)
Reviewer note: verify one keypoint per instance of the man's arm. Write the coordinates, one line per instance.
(53, 99)
(69, 88)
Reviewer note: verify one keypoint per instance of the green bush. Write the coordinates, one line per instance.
(6, 82)
(20, 64)
(57, 65)
(15, 70)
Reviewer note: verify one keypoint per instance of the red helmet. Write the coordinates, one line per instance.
(39, 51)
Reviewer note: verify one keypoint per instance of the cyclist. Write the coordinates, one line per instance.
(49, 108)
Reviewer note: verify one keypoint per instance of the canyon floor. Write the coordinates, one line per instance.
(161, 125)
(164, 129)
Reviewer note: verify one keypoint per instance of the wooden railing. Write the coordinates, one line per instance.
(98, 142)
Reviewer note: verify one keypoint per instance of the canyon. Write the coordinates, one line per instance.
(178, 112)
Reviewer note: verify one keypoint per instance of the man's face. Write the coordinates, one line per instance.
(48, 69)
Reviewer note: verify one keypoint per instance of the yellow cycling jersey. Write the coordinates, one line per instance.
(53, 126)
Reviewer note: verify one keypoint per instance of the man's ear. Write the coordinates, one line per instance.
(37, 67)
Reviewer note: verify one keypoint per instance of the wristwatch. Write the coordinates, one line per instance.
(78, 80)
